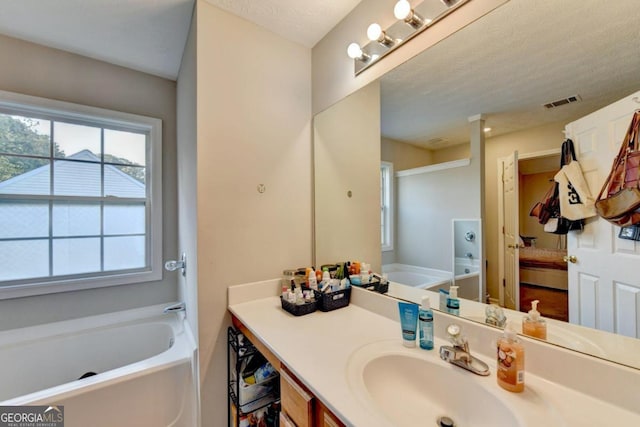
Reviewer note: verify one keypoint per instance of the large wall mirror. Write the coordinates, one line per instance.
(414, 132)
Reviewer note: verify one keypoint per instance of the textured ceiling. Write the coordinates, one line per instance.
(302, 21)
(145, 35)
(510, 62)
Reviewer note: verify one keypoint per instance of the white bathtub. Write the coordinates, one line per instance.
(417, 277)
(143, 361)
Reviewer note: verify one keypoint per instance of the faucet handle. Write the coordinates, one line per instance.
(453, 330)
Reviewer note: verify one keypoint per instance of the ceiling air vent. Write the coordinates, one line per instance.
(559, 102)
(436, 142)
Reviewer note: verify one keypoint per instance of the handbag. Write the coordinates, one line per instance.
(547, 208)
(576, 201)
(621, 204)
(558, 224)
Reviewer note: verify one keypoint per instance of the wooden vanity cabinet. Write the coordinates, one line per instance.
(299, 407)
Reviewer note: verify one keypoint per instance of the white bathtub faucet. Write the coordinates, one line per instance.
(179, 306)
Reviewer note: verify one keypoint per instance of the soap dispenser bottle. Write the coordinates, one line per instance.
(425, 324)
(453, 303)
(510, 360)
(534, 325)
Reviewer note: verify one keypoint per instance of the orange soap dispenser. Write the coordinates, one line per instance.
(534, 325)
(510, 358)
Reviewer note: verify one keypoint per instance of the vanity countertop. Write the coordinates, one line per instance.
(317, 348)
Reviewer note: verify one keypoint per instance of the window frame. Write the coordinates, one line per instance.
(387, 232)
(14, 103)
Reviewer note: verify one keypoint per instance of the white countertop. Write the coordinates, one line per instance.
(317, 349)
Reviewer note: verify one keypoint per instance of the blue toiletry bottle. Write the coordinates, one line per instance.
(425, 320)
(453, 303)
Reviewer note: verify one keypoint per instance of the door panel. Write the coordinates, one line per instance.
(511, 236)
(604, 292)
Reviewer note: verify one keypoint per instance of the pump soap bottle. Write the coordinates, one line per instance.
(425, 324)
(510, 358)
(533, 325)
(453, 303)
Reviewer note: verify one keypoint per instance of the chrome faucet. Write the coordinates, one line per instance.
(469, 255)
(459, 353)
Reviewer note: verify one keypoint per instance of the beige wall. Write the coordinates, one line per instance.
(333, 73)
(541, 138)
(457, 152)
(253, 127)
(36, 70)
(404, 156)
(347, 158)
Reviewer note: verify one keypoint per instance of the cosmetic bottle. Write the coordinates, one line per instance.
(510, 360)
(453, 303)
(534, 325)
(425, 324)
(313, 283)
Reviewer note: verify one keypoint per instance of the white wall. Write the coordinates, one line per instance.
(347, 158)
(36, 70)
(187, 89)
(253, 127)
(426, 205)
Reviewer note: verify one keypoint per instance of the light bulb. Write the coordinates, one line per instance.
(374, 32)
(402, 9)
(354, 51)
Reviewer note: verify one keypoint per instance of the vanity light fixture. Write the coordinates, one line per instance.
(410, 22)
(355, 52)
(375, 33)
(403, 10)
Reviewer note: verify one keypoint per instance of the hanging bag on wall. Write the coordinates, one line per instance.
(547, 208)
(576, 201)
(558, 224)
(621, 205)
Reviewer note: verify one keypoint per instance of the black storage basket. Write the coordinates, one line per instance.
(298, 309)
(333, 300)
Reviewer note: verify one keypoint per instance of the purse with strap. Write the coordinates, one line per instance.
(621, 205)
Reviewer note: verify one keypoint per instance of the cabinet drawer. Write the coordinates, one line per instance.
(297, 403)
(285, 421)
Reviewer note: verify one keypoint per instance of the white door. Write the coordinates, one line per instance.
(510, 235)
(604, 284)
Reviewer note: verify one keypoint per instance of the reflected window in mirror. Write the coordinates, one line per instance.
(386, 205)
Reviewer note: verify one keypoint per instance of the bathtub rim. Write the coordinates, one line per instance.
(182, 350)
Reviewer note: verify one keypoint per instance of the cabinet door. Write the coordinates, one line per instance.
(325, 418)
(285, 421)
(297, 403)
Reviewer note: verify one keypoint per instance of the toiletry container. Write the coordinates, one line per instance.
(425, 322)
(453, 303)
(534, 325)
(510, 360)
(312, 281)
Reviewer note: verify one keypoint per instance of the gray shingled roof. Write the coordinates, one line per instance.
(78, 177)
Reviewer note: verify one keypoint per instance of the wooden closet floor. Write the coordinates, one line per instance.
(554, 303)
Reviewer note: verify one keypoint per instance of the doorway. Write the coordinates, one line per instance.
(540, 269)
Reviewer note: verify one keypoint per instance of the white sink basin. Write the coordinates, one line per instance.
(413, 387)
